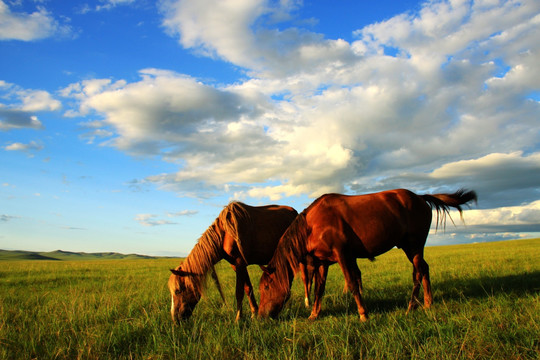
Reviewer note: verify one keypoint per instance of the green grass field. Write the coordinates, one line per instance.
(487, 306)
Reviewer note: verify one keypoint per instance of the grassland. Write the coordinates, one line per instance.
(487, 306)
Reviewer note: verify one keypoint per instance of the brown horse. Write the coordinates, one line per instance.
(340, 228)
(242, 235)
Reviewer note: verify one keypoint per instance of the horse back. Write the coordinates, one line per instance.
(366, 225)
(259, 232)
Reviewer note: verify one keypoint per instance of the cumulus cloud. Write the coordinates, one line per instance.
(526, 216)
(18, 106)
(16, 119)
(482, 225)
(447, 88)
(235, 31)
(499, 178)
(37, 25)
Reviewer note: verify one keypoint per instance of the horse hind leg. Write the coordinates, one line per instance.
(420, 276)
(413, 303)
(243, 286)
(352, 272)
(239, 292)
(426, 283)
(360, 286)
(248, 289)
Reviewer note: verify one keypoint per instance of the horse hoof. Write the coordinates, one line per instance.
(312, 317)
(363, 318)
(412, 306)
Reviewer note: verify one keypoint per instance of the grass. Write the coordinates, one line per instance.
(487, 306)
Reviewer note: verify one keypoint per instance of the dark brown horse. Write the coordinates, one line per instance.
(242, 235)
(340, 228)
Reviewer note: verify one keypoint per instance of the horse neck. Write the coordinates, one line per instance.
(206, 253)
(292, 246)
(284, 271)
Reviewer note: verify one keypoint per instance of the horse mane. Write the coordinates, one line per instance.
(208, 249)
(290, 251)
(202, 258)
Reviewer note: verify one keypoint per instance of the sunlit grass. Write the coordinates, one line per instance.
(486, 297)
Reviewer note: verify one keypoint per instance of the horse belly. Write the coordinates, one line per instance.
(322, 242)
(375, 237)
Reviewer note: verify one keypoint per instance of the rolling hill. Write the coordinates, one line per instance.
(66, 255)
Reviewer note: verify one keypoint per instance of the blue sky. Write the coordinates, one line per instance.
(127, 125)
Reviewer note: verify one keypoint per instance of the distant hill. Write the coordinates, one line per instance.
(66, 255)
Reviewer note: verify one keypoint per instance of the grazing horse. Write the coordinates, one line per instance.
(340, 228)
(242, 235)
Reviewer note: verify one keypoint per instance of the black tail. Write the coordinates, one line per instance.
(441, 203)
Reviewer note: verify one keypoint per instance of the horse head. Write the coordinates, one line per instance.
(184, 297)
(273, 296)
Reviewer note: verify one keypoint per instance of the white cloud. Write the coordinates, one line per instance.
(528, 214)
(20, 105)
(507, 222)
(499, 178)
(29, 26)
(151, 220)
(493, 167)
(109, 4)
(223, 30)
(38, 100)
(447, 88)
(235, 31)
(183, 213)
(30, 147)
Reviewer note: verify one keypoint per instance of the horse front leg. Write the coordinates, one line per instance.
(306, 271)
(320, 272)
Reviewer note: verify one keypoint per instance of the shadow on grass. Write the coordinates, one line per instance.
(395, 297)
(486, 286)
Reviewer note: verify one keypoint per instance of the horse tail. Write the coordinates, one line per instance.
(233, 216)
(441, 203)
(236, 221)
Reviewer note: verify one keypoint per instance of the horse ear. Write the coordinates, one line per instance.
(267, 269)
(180, 272)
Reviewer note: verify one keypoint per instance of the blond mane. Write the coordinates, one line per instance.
(208, 249)
(291, 249)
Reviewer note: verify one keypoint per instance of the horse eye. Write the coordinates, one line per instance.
(177, 292)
